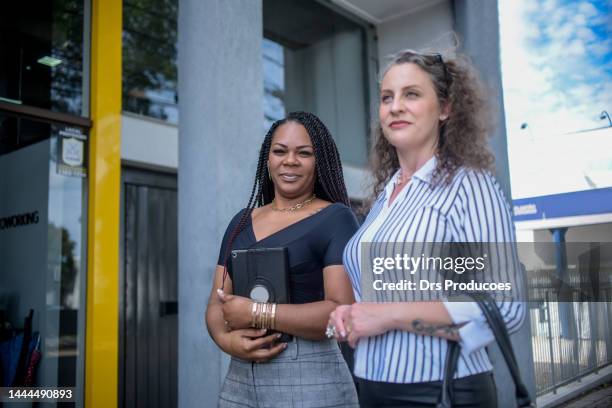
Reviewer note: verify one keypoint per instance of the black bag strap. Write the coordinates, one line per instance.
(496, 323)
(450, 367)
(498, 327)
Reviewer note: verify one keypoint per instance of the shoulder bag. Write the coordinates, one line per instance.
(498, 327)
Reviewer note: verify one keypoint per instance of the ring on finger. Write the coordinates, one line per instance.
(330, 331)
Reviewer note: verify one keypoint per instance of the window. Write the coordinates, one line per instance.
(274, 82)
(316, 60)
(41, 55)
(43, 225)
(43, 204)
(150, 58)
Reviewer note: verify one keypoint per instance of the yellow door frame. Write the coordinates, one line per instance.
(102, 323)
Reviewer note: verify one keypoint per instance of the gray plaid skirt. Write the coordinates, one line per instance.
(308, 374)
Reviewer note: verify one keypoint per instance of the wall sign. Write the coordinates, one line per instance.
(72, 151)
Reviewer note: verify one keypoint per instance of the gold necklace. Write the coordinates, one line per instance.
(295, 207)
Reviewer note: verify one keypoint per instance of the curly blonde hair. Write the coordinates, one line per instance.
(463, 138)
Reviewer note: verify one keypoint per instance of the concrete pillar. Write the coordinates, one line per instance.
(477, 23)
(220, 131)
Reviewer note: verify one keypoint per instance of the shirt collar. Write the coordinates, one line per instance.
(424, 173)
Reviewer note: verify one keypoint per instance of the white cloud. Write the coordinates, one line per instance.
(553, 76)
(588, 10)
(601, 48)
(579, 20)
(576, 48)
(585, 34)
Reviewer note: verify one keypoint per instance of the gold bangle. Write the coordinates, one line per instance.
(273, 317)
(262, 324)
(253, 310)
(258, 316)
(267, 317)
(262, 308)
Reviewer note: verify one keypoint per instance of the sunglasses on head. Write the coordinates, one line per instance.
(432, 58)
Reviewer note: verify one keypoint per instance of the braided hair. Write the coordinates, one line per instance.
(329, 181)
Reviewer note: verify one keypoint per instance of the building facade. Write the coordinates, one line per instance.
(110, 222)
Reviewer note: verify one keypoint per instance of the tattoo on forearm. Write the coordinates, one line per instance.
(444, 330)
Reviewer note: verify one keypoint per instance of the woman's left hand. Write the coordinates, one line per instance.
(366, 320)
(236, 310)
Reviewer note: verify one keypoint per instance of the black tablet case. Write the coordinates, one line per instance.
(268, 267)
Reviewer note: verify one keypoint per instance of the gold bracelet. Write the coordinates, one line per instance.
(267, 316)
(258, 316)
(255, 314)
(253, 311)
(273, 317)
(262, 323)
(263, 315)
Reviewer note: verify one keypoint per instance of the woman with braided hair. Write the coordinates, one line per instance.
(298, 201)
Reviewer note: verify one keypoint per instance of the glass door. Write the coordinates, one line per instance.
(43, 221)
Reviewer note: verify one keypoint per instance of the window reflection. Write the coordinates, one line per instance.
(274, 82)
(68, 297)
(149, 58)
(41, 54)
(42, 229)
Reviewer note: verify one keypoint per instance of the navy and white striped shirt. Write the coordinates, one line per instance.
(471, 208)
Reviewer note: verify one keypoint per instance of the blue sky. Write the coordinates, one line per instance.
(556, 58)
(556, 64)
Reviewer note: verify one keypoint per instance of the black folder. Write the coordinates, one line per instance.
(262, 274)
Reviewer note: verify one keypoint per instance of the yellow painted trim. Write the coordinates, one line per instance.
(102, 335)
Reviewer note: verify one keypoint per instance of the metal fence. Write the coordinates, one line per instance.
(570, 339)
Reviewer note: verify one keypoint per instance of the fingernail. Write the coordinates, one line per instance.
(278, 336)
(284, 345)
(219, 291)
(343, 334)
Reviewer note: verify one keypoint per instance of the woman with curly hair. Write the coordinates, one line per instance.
(433, 184)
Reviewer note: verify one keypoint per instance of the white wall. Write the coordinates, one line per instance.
(427, 27)
(149, 142)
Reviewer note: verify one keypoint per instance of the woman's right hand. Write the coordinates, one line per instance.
(248, 344)
(338, 319)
